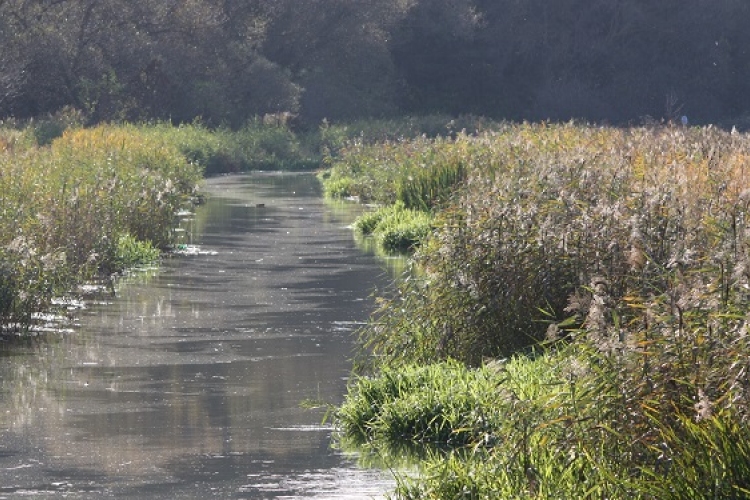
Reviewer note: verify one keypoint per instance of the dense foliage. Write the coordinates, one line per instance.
(91, 203)
(599, 227)
(341, 59)
(624, 253)
(558, 425)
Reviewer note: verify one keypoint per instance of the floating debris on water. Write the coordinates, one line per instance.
(68, 303)
(184, 249)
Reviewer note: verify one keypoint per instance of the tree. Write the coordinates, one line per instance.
(338, 51)
(227, 60)
(438, 53)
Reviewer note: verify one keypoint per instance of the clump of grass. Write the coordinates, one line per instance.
(395, 227)
(431, 187)
(435, 404)
(342, 187)
(421, 173)
(130, 252)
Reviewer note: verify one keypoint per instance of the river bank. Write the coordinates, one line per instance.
(607, 264)
(81, 209)
(80, 204)
(190, 382)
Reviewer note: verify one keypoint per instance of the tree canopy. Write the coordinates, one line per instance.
(228, 60)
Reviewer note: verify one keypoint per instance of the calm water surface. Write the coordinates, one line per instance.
(189, 382)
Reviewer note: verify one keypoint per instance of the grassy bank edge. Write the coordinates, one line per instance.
(531, 426)
(655, 380)
(84, 202)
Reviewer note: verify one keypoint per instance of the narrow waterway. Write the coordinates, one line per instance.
(189, 383)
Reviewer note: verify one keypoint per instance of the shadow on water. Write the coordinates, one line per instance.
(189, 382)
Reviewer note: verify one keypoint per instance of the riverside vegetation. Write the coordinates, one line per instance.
(575, 323)
(89, 204)
(79, 204)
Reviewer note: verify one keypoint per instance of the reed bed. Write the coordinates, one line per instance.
(408, 179)
(91, 202)
(421, 173)
(78, 203)
(622, 251)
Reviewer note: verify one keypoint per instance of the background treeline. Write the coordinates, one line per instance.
(228, 60)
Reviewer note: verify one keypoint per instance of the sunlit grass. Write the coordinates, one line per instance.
(551, 425)
(395, 228)
(66, 209)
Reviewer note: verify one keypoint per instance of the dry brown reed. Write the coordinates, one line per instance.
(631, 247)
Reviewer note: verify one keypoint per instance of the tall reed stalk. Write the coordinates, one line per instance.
(65, 209)
(627, 246)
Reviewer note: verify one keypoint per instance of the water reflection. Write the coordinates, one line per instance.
(189, 382)
(394, 263)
